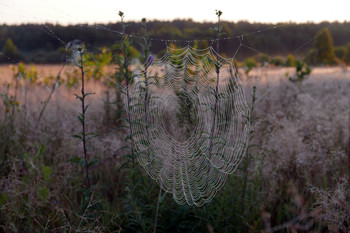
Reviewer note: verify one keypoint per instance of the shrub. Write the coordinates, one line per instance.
(249, 63)
(277, 61)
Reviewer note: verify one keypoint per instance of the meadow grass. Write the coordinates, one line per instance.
(294, 178)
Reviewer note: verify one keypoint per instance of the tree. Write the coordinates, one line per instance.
(324, 48)
(290, 62)
(340, 52)
(10, 51)
(347, 56)
(310, 57)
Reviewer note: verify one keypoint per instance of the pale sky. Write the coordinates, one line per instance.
(104, 11)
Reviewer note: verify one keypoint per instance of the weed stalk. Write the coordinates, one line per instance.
(125, 71)
(83, 134)
(217, 65)
(247, 158)
(83, 108)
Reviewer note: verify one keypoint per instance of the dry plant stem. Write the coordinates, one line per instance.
(15, 96)
(146, 119)
(247, 157)
(146, 79)
(146, 97)
(126, 76)
(145, 74)
(51, 93)
(157, 210)
(83, 118)
(349, 142)
(86, 209)
(216, 89)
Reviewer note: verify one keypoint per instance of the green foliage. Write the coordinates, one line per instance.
(340, 52)
(11, 51)
(131, 51)
(43, 193)
(277, 61)
(324, 47)
(263, 58)
(310, 57)
(83, 135)
(301, 73)
(97, 65)
(249, 63)
(23, 72)
(3, 199)
(283, 39)
(290, 62)
(46, 171)
(347, 56)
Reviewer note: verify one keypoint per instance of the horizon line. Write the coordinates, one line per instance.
(172, 20)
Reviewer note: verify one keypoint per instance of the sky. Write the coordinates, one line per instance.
(104, 11)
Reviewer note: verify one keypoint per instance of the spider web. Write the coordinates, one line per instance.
(186, 135)
(188, 117)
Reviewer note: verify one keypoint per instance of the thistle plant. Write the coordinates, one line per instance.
(218, 31)
(125, 72)
(80, 50)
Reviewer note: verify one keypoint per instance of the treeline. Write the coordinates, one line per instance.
(46, 43)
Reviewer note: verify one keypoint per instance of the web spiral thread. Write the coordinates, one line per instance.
(188, 136)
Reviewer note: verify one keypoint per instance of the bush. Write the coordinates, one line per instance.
(277, 61)
(249, 63)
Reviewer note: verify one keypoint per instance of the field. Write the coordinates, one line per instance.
(294, 177)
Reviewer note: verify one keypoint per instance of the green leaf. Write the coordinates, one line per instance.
(75, 160)
(77, 136)
(3, 199)
(92, 135)
(81, 118)
(86, 108)
(90, 93)
(43, 193)
(40, 152)
(46, 170)
(92, 163)
(78, 97)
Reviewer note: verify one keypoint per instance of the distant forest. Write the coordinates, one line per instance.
(45, 43)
